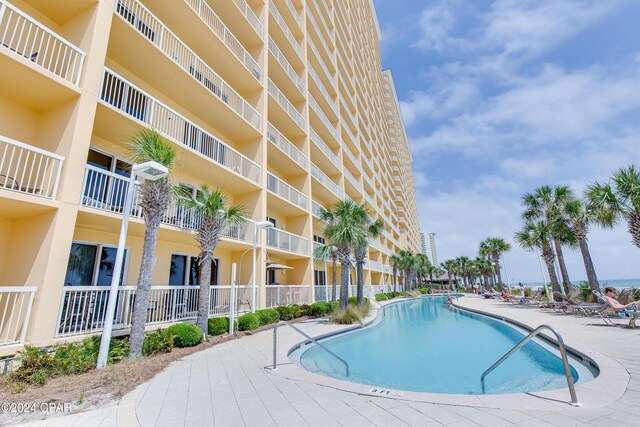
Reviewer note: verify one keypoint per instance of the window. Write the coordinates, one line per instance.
(104, 191)
(320, 278)
(92, 264)
(318, 239)
(185, 271)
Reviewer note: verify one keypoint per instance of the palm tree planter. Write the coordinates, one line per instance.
(372, 229)
(537, 235)
(495, 247)
(154, 198)
(211, 206)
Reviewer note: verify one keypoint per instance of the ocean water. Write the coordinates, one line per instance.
(423, 345)
(616, 283)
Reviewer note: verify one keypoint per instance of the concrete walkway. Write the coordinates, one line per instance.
(228, 385)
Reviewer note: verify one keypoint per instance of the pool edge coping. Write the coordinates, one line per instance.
(609, 386)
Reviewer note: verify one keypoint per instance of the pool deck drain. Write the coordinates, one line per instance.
(228, 385)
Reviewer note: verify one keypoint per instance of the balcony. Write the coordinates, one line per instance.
(287, 106)
(133, 52)
(83, 308)
(45, 69)
(327, 74)
(323, 91)
(15, 306)
(280, 239)
(315, 208)
(286, 147)
(296, 16)
(106, 191)
(132, 101)
(294, 44)
(326, 181)
(331, 130)
(288, 69)
(353, 181)
(287, 192)
(326, 151)
(29, 170)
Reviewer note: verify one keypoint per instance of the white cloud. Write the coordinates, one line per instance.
(529, 168)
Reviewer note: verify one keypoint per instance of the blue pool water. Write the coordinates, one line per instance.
(422, 345)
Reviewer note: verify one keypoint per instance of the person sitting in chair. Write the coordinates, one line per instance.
(609, 297)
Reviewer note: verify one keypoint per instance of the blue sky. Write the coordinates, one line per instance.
(500, 97)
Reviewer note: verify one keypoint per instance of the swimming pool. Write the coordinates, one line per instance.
(423, 345)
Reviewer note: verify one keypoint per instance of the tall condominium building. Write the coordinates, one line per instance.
(423, 245)
(433, 255)
(280, 103)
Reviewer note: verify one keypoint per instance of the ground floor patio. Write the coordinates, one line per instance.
(228, 385)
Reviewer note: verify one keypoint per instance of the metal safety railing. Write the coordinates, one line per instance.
(313, 340)
(563, 354)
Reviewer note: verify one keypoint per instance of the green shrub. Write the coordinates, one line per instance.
(334, 305)
(288, 312)
(160, 341)
(319, 309)
(36, 366)
(528, 292)
(218, 325)
(267, 316)
(186, 334)
(381, 297)
(304, 310)
(353, 300)
(118, 348)
(74, 358)
(248, 322)
(346, 316)
(424, 290)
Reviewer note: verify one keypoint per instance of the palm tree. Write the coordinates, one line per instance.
(395, 259)
(537, 235)
(494, 247)
(545, 203)
(422, 267)
(450, 267)
(211, 207)
(344, 231)
(580, 215)
(372, 229)
(153, 199)
(463, 261)
(618, 200)
(324, 253)
(486, 270)
(406, 264)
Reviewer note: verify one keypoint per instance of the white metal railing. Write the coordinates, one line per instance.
(346, 109)
(376, 266)
(326, 181)
(324, 22)
(287, 32)
(15, 311)
(323, 90)
(350, 155)
(284, 190)
(330, 77)
(315, 138)
(352, 180)
(128, 98)
(323, 118)
(368, 179)
(138, 16)
(282, 60)
(280, 141)
(251, 17)
(287, 295)
(107, 191)
(294, 12)
(216, 25)
(315, 208)
(83, 308)
(320, 33)
(282, 100)
(324, 292)
(28, 38)
(281, 239)
(28, 169)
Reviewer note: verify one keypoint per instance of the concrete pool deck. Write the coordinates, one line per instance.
(230, 384)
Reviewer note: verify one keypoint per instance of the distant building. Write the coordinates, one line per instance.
(423, 244)
(433, 255)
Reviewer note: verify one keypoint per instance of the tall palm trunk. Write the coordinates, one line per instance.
(588, 264)
(394, 278)
(204, 295)
(335, 277)
(566, 282)
(407, 280)
(496, 261)
(344, 282)
(633, 225)
(549, 259)
(141, 305)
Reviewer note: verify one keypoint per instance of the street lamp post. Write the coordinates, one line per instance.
(151, 171)
(544, 280)
(256, 226)
(506, 272)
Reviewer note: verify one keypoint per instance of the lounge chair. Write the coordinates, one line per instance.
(627, 313)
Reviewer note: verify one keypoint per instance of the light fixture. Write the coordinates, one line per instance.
(150, 170)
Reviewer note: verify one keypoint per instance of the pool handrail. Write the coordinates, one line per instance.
(315, 341)
(563, 354)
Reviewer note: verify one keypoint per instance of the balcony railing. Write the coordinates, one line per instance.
(285, 145)
(128, 98)
(146, 23)
(320, 33)
(329, 76)
(251, 17)
(323, 90)
(15, 310)
(294, 12)
(352, 180)
(323, 117)
(285, 241)
(376, 266)
(83, 308)
(350, 155)
(107, 191)
(284, 190)
(28, 169)
(287, 32)
(323, 147)
(326, 181)
(28, 38)
(282, 60)
(282, 100)
(287, 295)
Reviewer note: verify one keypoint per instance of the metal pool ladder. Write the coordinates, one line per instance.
(563, 354)
(275, 344)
